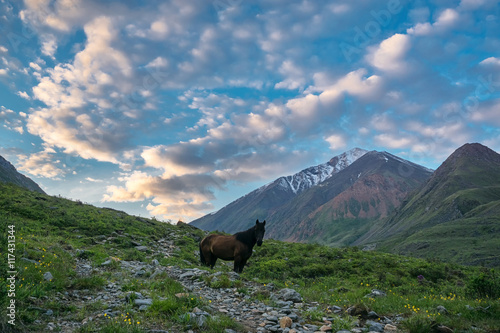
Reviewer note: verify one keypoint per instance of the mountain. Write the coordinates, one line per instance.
(9, 174)
(264, 201)
(333, 203)
(455, 215)
(343, 207)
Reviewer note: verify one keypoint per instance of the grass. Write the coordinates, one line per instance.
(49, 238)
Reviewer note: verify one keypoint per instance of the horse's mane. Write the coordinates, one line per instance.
(246, 236)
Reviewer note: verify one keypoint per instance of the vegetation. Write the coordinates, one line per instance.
(51, 233)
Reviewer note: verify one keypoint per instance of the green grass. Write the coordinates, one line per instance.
(329, 276)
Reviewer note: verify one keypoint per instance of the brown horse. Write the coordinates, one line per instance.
(237, 247)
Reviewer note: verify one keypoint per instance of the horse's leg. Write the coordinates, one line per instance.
(213, 260)
(243, 262)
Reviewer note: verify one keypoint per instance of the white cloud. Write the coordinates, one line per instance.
(3, 49)
(35, 66)
(389, 56)
(394, 141)
(41, 164)
(23, 94)
(336, 141)
(158, 62)
(295, 77)
(491, 61)
(4, 72)
(49, 45)
(447, 19)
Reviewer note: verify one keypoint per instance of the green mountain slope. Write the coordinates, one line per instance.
(455, 215)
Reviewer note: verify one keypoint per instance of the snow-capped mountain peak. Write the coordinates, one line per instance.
(314, 175)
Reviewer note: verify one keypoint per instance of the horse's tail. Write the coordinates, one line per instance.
(202, 257)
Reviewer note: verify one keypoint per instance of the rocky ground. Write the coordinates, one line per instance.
(287, 313)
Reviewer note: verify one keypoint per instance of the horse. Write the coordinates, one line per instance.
(237, 247)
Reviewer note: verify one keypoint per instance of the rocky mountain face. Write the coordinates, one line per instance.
(264, 201)
(343, 207)
(9, 174)
(333, 203)
(454, 215)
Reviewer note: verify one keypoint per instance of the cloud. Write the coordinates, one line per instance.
(49, 45)
(23, 94)
(11, 120)
(3, 49)
(177, 197)
(336, 141)
(41, 164)
(389, 56)
(493, 61)
(447, 19)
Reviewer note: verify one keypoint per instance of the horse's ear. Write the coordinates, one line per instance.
(264, 223)
(257, 221)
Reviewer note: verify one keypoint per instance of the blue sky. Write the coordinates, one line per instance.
(175, 108)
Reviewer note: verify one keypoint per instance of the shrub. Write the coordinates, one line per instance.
(484, 285)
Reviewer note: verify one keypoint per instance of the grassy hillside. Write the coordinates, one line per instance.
(57, 235)
(454, 216)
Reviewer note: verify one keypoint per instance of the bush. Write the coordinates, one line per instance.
(484, 285)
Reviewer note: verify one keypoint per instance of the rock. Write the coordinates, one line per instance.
(107, 262)
(140, 273)
(390, 328)
(29, 260)
(441, 309)
(137, 295)
(325, 328)
(376, 293)
(373, 315)
(288, 294)
(285, 322)
(141, 248)
(48, 276)
(187, 275)
(49, 313)
(334, 309)
(444, 329)
(146, 301)
(155, 262)
(374, 326)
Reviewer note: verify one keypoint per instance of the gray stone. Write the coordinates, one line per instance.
(107, 262)
(374, 326)
(48, 276)
(441, 309)
(288, 294)
(187, 275)
(141, 248)
(146, 301)
(376, 293)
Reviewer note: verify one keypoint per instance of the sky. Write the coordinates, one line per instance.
(173, 109)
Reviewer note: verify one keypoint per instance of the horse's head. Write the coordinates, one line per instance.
(259, 231)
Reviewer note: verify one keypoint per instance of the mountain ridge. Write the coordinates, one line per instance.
(9, 174)
(272, 195)
(458, 206)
